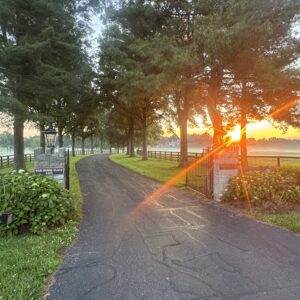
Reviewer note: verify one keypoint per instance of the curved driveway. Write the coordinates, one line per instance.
(179, 247)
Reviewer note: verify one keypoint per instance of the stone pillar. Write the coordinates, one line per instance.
(50, 164)
(226, 165)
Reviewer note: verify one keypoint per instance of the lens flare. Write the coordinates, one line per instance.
(166, 186)
(284, 107)
(235, 134)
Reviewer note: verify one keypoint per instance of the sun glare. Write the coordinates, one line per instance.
(235, 134)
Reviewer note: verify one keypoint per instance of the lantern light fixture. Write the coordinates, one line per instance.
(50, 136)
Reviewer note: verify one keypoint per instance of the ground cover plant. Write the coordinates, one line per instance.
(27, 261)
(37, 202)
(274, 194)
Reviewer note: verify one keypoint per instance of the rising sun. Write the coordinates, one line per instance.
(235, 134)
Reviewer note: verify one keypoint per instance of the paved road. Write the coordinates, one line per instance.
(179, 247)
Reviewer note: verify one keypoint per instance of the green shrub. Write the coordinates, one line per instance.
(269, 186)
(37, 202)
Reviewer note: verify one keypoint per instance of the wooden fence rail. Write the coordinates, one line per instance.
(7, 161)
(253, 159)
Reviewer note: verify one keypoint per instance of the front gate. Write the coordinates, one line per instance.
(201, 176)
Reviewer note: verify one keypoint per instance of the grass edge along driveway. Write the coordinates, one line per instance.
(159, 170)
(162, 171)
(27, 262)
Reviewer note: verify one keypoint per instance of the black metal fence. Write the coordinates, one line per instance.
(67, 169)
(200, 177)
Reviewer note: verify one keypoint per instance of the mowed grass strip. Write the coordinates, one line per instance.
(27, 262)
(290, 221)
(160, 170)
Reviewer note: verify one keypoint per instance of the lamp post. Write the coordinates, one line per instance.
(50, 137)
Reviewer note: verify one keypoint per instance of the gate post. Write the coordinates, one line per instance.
(226, 165)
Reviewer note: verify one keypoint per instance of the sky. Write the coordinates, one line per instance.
(258, 130)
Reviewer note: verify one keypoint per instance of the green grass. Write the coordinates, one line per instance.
(29, 167)
(27, 262)
(160, 170)
(290, 221)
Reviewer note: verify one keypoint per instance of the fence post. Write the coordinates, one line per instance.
(159, 154)
(1, 162)
(171, 156)
(7, 160)
(278, 162)
(165, 155)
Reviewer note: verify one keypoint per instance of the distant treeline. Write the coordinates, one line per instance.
(7, 142)
(205, 140)
(274, 141)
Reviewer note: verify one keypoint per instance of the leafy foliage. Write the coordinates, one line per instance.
(270, 186)
(37, 202)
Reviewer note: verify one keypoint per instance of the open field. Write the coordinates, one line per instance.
(27, 262)
(162, 171)
(286, 163)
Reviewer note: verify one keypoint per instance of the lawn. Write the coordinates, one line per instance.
(29, 167)
(160, 170)
(27, 262)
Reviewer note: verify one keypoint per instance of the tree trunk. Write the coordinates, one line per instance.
(214, 114)
(128, 145)
(60, 136)
(243, 137)
(42, 138)
(101, 143)
(92, 144)
(73, 143)
(82, 143)
(118, 147)
(131, 138)
(183, 139)
(19, 162)
(144, 137)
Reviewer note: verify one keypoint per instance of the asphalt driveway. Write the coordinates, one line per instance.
(178, 247)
